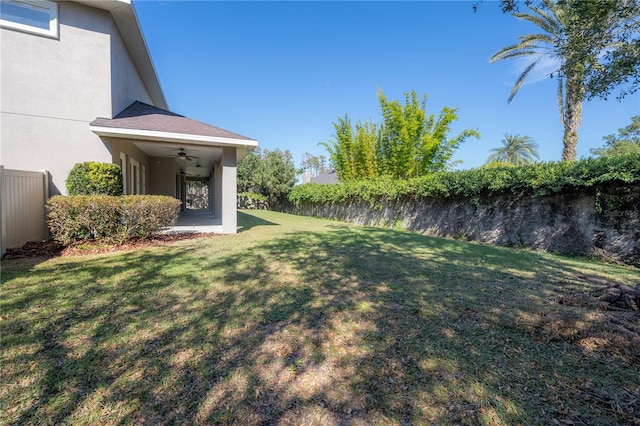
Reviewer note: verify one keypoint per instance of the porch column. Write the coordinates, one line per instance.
(217, 189)
(183, 191)
(229, 191)
(210, 192)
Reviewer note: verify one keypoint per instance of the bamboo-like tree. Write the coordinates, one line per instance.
(558, 42)
(408, 142)
(516, 150)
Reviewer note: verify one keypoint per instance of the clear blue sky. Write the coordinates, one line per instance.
(283, 72)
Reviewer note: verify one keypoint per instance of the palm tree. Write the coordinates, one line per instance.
(516, 150)
(555, 42)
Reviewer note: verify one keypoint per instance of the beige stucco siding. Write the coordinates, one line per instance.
(51, 91)
(53, 144)
(162, 176)
(126, 84)
(132, 153)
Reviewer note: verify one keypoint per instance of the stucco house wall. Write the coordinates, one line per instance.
(52, 93)
(162, 176)
(59, 86)
(131, 152)
(86, 90)
(126, 84)
(126, 88)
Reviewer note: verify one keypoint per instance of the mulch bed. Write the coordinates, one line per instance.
(50, 248)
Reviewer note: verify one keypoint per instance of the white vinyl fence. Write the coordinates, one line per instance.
(23, 197)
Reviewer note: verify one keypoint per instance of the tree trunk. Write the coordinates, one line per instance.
(572, 116)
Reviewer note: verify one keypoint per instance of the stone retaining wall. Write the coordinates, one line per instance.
(607, 224)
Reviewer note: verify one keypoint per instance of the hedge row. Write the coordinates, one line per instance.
(109, 218)
(536, 179)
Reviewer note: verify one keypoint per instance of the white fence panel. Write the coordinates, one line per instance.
(23, 199)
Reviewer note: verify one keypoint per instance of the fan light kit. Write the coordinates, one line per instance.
(182, 155)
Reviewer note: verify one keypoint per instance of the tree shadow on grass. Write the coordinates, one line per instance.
(347, 326)
(247, 221)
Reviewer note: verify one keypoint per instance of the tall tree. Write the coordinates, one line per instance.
(516, 150)
(270, 173)
(627, 141)
(408, 142)
(248, 171)
(552, 42)
(314, 164)
(596, 46)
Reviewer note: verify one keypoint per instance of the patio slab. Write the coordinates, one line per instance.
(192, 221)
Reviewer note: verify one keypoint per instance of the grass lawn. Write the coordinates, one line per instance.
(298, 320)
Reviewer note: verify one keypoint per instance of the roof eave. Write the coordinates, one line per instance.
(154, 135)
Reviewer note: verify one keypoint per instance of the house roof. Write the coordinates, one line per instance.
(146, 118)
(326, 178)
(125, 18)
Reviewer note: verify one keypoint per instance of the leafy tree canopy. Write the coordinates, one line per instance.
(314, 164)
(596, 44)
(627, 141)
(605, 40)
(606, 35)
(408, 142)
(269, 173)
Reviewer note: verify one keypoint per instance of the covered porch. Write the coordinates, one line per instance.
(163, 153)
(200, 221)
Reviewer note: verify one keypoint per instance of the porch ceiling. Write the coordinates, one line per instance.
(206, 155)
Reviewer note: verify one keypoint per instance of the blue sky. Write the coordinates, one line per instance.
(283, 72)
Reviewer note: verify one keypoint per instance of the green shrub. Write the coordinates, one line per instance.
(253, 195)
(141, 216)
(93, 178)
(534, 179)
(108, 218)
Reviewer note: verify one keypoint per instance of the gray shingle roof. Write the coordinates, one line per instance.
(326, 178)
(141, 116)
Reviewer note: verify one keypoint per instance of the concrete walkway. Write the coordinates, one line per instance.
(197, 221)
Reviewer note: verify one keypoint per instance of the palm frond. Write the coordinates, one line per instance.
(509, 49)
(549, 20)
(521, 79)
(546, 38)
(545, 22)
(527, 46)
(513, 51)
(515, 150)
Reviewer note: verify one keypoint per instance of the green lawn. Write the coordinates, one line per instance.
(305, 321)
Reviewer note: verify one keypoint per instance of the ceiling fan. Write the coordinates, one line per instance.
(182, 155)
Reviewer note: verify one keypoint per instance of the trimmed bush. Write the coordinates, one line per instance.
(93, 178)
(109, 219)
(538, 179)
(141, 216)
